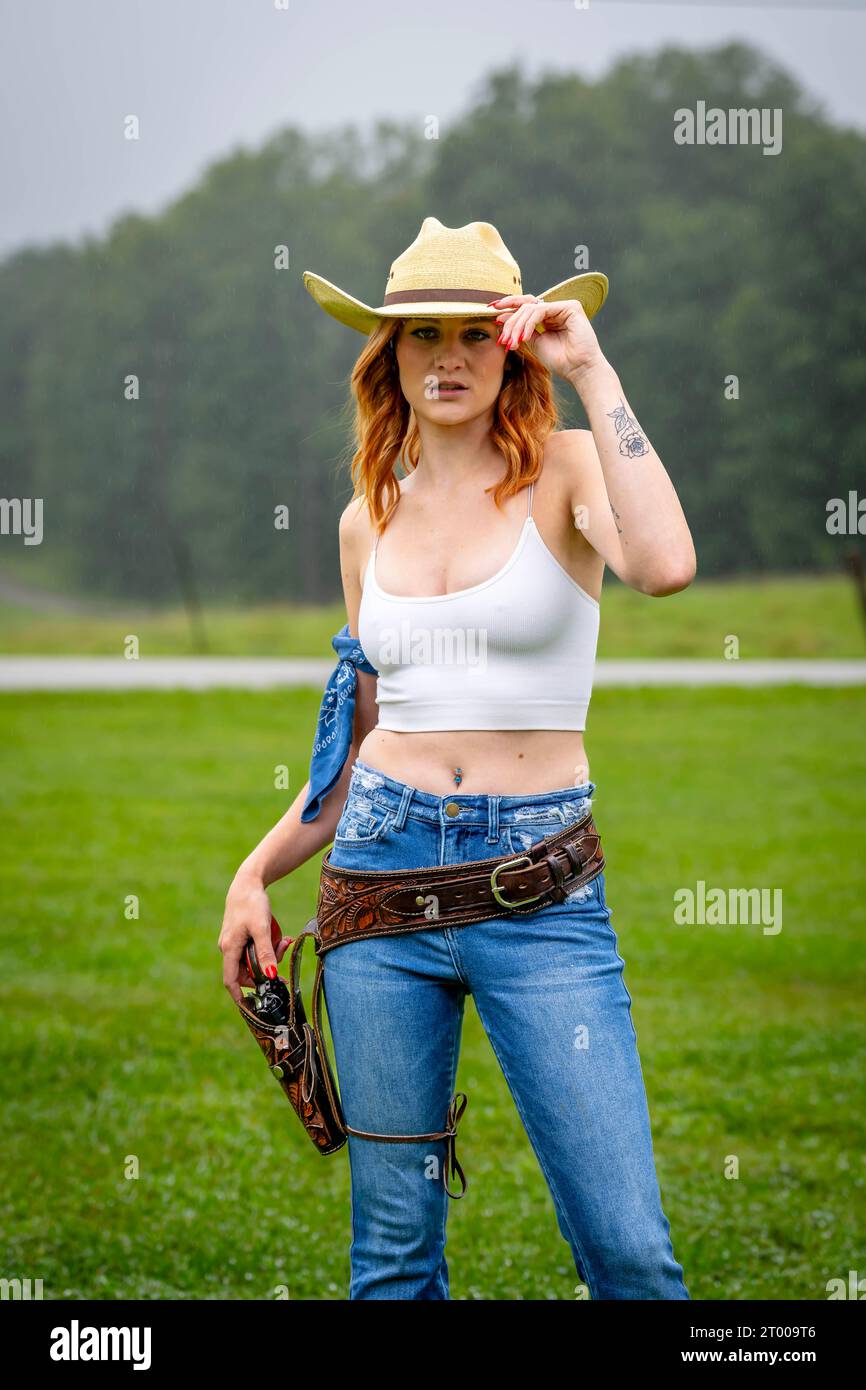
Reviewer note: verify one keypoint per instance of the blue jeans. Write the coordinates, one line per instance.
(549, 991)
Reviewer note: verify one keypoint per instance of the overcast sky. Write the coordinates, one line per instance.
(204, 76)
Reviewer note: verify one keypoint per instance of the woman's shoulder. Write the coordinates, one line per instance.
(565, 455)
(356, 530)
(573, 452)
(353, 516)
(356, 521)
(566, 443)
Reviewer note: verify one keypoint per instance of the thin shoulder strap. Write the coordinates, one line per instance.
(529, 512)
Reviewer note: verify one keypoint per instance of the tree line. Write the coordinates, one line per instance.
(180, 404)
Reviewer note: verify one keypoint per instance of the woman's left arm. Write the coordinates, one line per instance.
(658, 553)
(644, 537)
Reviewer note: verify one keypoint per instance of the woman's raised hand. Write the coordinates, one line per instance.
(567, 344)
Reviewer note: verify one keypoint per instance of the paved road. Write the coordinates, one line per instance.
(264, 673)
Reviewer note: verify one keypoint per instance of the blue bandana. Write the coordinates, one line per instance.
(336, 720)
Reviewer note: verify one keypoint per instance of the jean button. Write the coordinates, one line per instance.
(452, 809)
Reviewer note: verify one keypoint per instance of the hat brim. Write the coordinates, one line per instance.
(589, 288)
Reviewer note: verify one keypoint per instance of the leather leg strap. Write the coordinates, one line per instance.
(456, 1106)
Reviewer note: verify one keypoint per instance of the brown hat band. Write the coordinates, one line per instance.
(431, 296)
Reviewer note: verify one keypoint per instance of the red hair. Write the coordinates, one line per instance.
(524, 414)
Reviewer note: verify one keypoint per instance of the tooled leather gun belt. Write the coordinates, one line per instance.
(385, 903)
(353, 904)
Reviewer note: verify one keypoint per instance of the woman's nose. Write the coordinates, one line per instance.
(450, 356)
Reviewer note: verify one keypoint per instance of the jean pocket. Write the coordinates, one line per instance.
(361, 823)
(530, 826)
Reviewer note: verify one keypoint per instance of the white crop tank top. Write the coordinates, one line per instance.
(514, 652)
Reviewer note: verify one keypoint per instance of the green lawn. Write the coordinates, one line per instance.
(789, 616)
(118, 1038)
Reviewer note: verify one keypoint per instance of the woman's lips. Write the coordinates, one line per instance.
(451, 390)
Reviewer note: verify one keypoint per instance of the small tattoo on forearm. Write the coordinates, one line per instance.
(616, 518)
(631, 442)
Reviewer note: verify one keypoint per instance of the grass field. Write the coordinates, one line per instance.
(119, 1040)
(810, 616)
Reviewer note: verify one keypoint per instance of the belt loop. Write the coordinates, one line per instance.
(492, 819)
(403, 808)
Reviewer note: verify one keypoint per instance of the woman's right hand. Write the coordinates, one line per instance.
(247, 914)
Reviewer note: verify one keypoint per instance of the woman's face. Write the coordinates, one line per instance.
(435, 354)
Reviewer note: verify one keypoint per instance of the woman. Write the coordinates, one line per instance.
(473, 584)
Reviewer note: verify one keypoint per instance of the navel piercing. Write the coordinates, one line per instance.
(458, 776)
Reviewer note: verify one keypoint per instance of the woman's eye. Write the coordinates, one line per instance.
(417, 332)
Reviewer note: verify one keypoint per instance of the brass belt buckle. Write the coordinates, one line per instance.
(510, 864)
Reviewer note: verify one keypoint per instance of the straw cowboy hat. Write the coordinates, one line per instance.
(450, 271)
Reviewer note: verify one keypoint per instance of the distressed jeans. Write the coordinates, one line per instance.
(549, 992)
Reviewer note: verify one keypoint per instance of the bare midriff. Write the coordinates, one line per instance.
(505, 762)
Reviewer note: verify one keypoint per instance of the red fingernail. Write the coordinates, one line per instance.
(271, 972)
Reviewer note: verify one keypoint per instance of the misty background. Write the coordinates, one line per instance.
(156, 260)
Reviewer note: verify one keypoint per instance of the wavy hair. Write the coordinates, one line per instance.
(385, 428)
